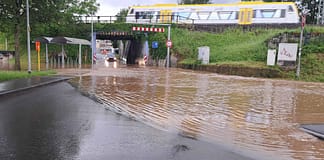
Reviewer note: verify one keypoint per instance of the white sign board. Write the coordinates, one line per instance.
(203, 54)
(271, 57)
(287, 51)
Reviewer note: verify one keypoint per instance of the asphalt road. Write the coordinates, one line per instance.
(56, 122)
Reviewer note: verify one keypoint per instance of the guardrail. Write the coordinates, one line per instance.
(135, 19)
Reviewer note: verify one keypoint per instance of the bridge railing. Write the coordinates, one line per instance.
(150, 19)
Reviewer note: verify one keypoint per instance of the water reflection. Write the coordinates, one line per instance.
(254, 115)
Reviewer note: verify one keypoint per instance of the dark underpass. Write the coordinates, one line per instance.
(133, 47)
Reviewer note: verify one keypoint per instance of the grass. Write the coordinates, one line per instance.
(232, 45)
(10, 75)
(236, 47)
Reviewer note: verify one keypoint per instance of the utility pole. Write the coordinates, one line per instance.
(168, 50)
(303, 15)
(28, 37)
(92, 42)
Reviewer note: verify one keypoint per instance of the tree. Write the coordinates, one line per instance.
(121, 16)
(194, 1)
(53, 13)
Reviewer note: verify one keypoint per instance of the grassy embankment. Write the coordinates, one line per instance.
(239, 48)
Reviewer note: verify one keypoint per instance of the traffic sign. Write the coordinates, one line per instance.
(155, 44)
(37, 46)
(169, 43)
(303, 21)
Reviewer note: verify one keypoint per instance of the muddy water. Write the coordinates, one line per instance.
(257, 117)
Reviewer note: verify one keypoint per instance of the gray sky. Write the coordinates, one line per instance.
(112, 7)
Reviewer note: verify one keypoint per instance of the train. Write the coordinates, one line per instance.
(242, 13)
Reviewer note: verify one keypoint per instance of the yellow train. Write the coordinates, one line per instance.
(237, 13)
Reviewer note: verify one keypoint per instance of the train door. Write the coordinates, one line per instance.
(245, 16)
(166, 16)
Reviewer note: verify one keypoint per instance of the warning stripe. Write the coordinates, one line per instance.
(147, 29)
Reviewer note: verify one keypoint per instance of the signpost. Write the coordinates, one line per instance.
(169, 42)
(300, 43)
(155, 44)
(28, 37)
(38, 53)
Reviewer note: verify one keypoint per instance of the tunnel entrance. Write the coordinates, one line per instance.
(129, 46)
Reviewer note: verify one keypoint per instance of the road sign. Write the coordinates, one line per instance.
(155, 44)
(303, 21)
(169, 43)
(37, 46)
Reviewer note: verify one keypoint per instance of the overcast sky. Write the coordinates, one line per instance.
(112, 7)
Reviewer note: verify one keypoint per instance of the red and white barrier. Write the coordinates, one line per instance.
(147, 29)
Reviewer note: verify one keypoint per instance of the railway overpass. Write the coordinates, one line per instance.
(132, 48)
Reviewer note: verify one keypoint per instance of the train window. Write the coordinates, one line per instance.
(131, 11)
(175, 15)
(283, 13)
(290, 8)
(234, 15)
(258, 14)
(254, 13)
(224, 15)
(213, 15)
(267, 13)
(184, 15)
(158, 15)
(137, 15)
(277, 14)
(194, 15)
(203, 15)
(143, 15)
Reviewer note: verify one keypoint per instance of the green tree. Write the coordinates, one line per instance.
(49, 13)
(121, 15)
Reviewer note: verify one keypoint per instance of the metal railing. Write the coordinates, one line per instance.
(135, 19)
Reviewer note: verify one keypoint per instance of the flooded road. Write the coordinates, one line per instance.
(258, 117)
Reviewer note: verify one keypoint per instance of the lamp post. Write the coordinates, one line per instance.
(168, 49)
(92, 42)
(300, 45)
(28, 37)
(303, 13)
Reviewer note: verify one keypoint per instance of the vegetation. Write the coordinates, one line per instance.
(236, 47)
(9, 75)
(232, 45)
(13, 17)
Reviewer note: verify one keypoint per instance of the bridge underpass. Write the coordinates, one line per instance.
(133, 46)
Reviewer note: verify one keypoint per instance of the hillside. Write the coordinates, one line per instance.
(234, 51)
(248, 49)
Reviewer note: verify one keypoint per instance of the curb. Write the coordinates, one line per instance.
(59, 79)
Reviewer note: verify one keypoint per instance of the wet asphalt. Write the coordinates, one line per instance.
(56, 122)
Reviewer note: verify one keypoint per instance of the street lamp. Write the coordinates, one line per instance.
(304, 12)
(28, 37)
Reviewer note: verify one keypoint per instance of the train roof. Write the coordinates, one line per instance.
(211, 5)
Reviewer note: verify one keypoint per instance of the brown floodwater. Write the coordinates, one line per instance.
(258, 117)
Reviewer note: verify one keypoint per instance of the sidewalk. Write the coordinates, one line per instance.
(18, 85)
